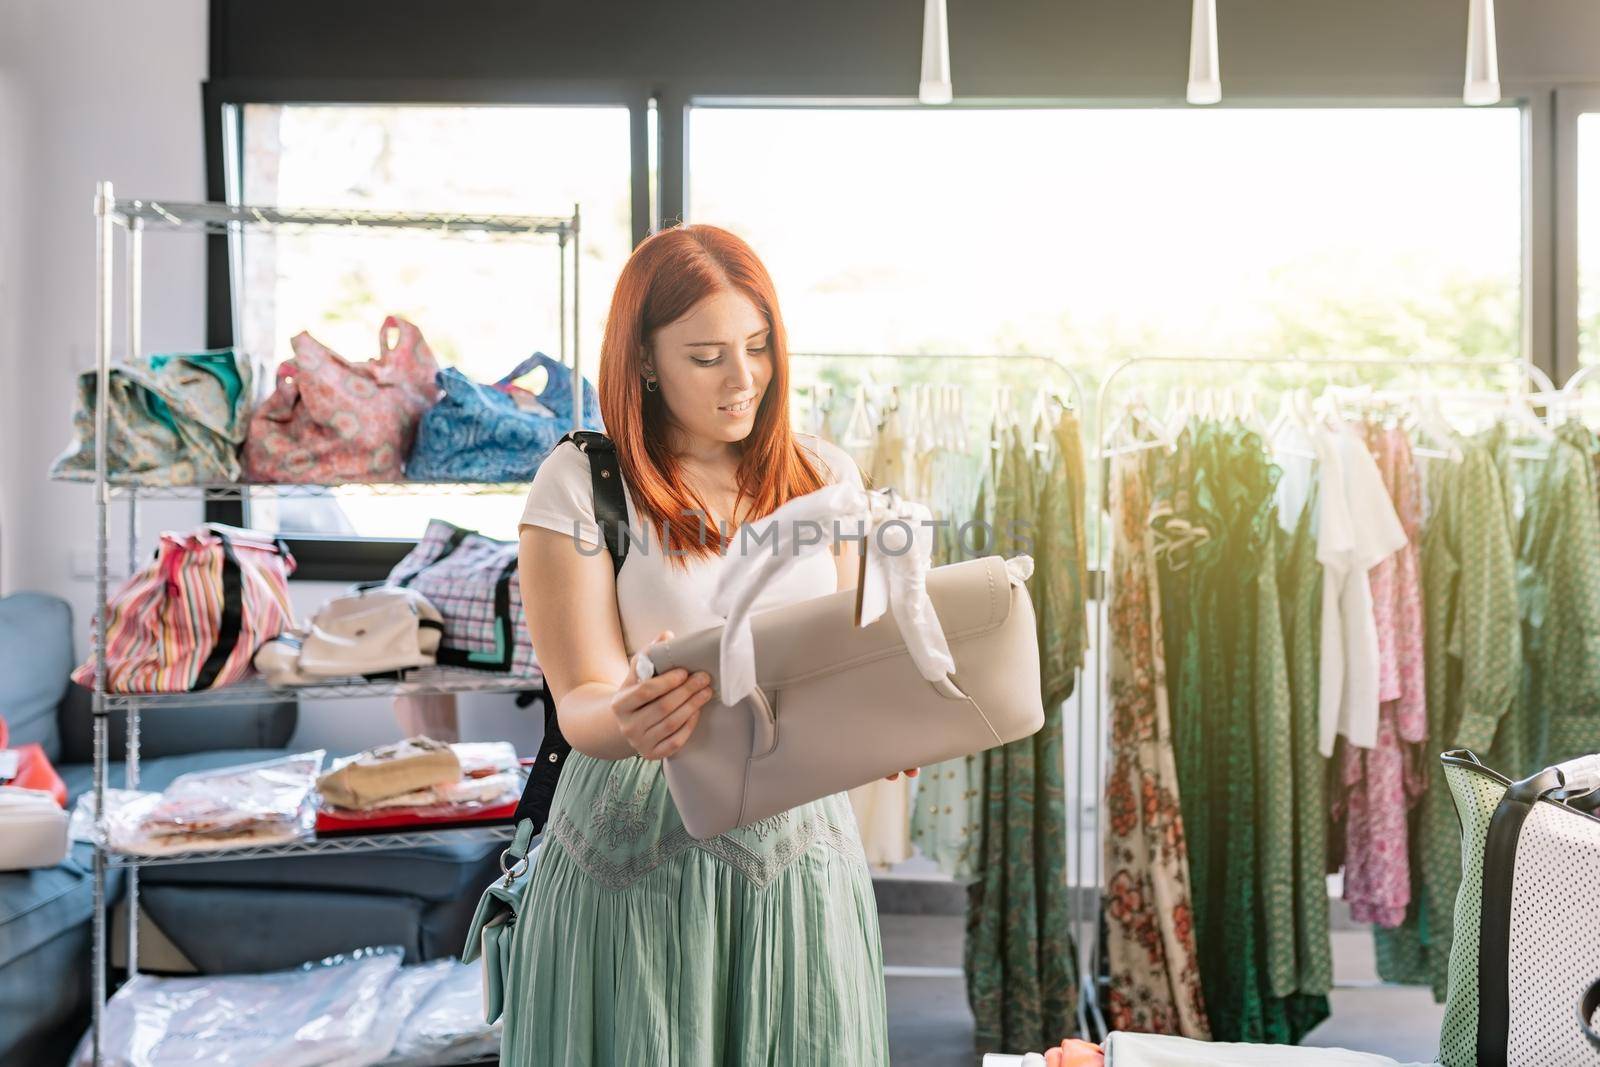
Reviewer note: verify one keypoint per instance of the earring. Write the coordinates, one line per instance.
(651, 385)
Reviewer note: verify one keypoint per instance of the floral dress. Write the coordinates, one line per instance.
(1155, 976)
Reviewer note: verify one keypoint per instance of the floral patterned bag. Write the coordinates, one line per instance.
(333, 422)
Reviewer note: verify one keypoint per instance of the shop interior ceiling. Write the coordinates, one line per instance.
(1482, 82)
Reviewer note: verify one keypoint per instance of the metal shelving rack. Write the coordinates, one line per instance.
(136, 217)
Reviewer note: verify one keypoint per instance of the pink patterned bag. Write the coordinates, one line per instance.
(195, 615)
(332, 422)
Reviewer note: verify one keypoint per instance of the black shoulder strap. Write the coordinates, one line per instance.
(1589, 1014)
(1494, 920)
(605, 479)
(611, 513)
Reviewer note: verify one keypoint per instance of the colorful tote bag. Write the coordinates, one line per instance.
(499, 432)
(173, 419)
(333, 422)
(1527, 922)
(472, 580)
(195, 615)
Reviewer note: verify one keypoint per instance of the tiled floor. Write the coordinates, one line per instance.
(930, 1025)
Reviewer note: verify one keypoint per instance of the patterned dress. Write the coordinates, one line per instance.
(1473, 659)
(1557, 716)
(1382, 783)
(1155, 975)
(1020, 963)
(1215, 533)
(1300, 590)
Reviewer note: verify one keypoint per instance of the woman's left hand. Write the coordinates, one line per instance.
(911, 772)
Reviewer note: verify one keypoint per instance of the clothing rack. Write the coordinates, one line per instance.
(1091, 950)
(1078, 393)
(1055, 363)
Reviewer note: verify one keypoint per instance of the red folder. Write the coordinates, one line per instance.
(34, 770)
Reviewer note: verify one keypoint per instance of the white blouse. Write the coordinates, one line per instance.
(655, 592)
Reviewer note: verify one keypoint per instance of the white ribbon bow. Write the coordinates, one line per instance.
(899, 548)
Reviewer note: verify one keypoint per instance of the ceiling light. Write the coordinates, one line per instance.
(1205, 77)
(1483, 61)
(935, 88)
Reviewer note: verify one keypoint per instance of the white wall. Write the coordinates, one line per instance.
(86, 93)
(90, 92)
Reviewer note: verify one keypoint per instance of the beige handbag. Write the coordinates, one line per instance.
(836, 706)
(374, 631)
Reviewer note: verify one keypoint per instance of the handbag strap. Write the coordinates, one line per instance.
(232, 621)
(538, 359)
(1494, 920)
(1587, 1007)
(611, 513)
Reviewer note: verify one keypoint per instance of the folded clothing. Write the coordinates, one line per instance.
(231, 807)
(342, 1010)
(378, 774)
(490, 776)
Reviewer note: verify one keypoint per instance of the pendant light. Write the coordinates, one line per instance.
(1205, 76)
(1483, 61)
(935, 87)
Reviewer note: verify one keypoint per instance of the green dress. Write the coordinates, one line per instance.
(1558, 710)
(1216, 529)
(1472, 649)
(641, 945)
(638, 944)
(1019, 958)
(1300, 587)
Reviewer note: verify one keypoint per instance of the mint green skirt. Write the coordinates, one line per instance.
(639, 945)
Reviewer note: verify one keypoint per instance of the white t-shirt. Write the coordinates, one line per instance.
(654, 592)
(1357, 529)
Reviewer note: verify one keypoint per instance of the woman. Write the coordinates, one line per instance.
(642, 945)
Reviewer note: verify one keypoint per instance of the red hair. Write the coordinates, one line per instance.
(667, 275)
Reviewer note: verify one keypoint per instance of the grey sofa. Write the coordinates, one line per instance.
(225, 917)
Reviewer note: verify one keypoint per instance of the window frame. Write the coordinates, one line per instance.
(1546, 212)
(1571, 103)
(362, 559)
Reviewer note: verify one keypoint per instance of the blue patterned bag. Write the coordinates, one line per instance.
(499, 432)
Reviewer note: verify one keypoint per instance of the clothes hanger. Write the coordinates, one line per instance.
(930, 426)
(1285, 417)
(821, 408)
(1039, 421)
(859, 431)
(1251, 417)
(958, 409)
(950, 418)
(1521, 409)
(1136, 416)
(1430, 417)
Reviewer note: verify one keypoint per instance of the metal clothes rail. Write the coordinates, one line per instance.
(1098, 741)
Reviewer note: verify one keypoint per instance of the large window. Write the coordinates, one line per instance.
(1100, 234)
(482, 305)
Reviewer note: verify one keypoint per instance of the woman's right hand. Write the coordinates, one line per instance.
(658, 714)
